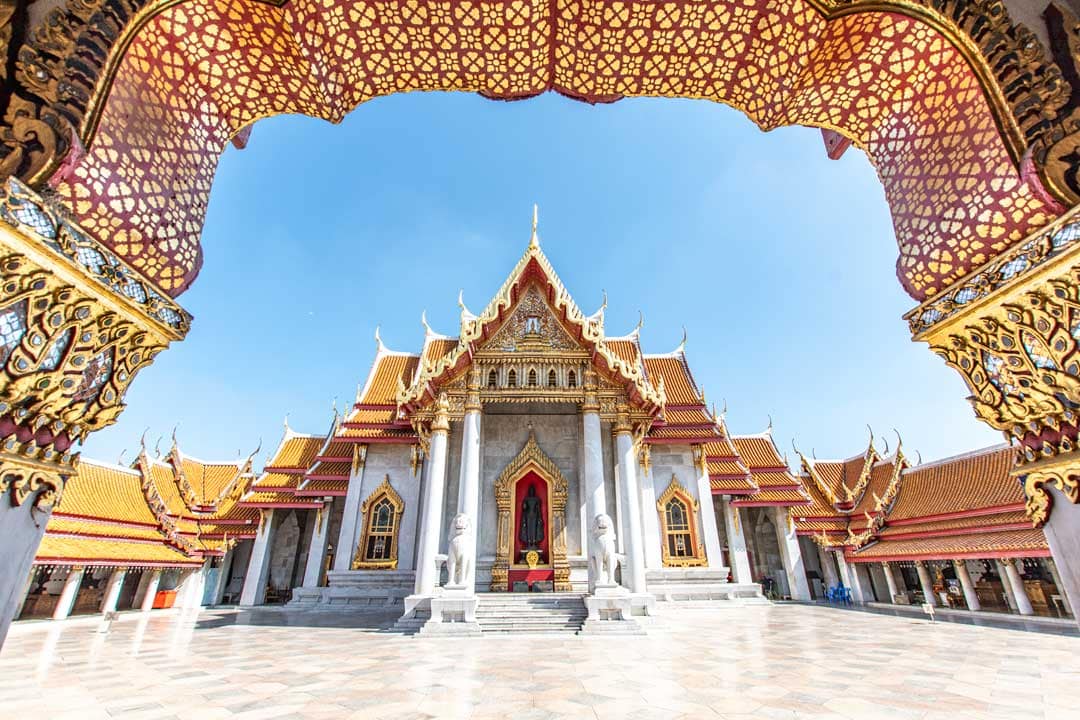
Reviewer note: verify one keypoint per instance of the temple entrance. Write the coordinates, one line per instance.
(531, 498)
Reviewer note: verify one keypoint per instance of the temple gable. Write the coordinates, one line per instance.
(531, 326)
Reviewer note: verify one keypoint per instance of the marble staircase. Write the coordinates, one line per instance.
(531, 612)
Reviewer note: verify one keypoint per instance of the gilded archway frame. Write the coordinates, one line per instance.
(531, 459)
(385, 489)
(676, 490)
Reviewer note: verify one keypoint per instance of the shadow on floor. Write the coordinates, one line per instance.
(373, 621)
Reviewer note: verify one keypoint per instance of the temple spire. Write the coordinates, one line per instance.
(534, 241)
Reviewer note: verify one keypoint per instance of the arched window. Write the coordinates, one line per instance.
(493, 379)
(511, 378)
(532, 378)
(678, 515)
(378, 547)
(571, 379)
(552, 380)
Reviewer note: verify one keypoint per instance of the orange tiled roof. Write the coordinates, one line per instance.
(331, 469)
(758, 451)
(106, 492)
(67, 550)
(257, 498)
(296, 451)
(386, 371)
(967, 482)
(773, 497)
(626, 350)
(337, 449)
(376, 433)
(960, 524)
(679, 386)
(435, 348)
(1007, 543)
(319, 487)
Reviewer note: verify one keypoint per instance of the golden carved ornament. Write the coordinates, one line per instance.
(474, 327)
(531, 459)
(1017, 346)
(23, 476)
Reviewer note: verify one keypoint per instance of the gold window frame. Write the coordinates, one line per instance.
(387, 491)
(676, 491)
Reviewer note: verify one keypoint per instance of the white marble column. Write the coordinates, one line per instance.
(970, 596)
(427, 546)
(713, 552)
(850, 578)
(150, 591)
(112, 590)
(195, 585)
(927, 583)
(890, 580)
(828, 566)
(348, 535)
(629, 495)
(593, 469)
(1023, 603)
(791, 555)
(224, 573)
(66, 602)
(469, 479)
(317, 545)
(254, 592)
(736, 537)
(1006, 586)
(1059, 584)
(650, 520)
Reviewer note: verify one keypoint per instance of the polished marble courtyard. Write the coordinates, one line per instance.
(784, 661)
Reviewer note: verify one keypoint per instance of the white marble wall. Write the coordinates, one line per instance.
(283, 548)
(394, 461)
(677, 460)
(503, 435)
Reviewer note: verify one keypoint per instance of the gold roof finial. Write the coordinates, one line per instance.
(534, 241)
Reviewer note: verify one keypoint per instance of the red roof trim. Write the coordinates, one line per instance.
(767, 503)
(285, 469)
(321, 493)
(973, 555)
(286, 505)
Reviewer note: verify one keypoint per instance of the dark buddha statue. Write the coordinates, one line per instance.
(531, 532)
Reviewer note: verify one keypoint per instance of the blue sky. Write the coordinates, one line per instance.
(779, 262)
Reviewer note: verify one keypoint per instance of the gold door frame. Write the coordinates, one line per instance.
(531, 458)
(676, 490)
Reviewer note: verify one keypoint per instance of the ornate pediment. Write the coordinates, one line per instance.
(531, 327)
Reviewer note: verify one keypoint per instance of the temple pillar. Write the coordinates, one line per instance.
(828, 566)
(254, 592)
(427, 546)
(593, 469)
(194, 587)
(736, 537)
(850, 578)
(790, 554)
(469, 479)
(626, 456)
(112, 590)
(1059, 583)
(1016, 582)
(890, 580)
(66, 602)
(713, 552)
(926, 583)
(650, 520)
(150, 591)
(224, 572)
(1062, 530)
(971, 598)
(350, 517)
(317, 544)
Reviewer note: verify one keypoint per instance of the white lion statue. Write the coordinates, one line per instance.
(460, 553)
(602, 556)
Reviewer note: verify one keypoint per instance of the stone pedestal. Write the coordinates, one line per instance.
(453, 612)
(610, 611)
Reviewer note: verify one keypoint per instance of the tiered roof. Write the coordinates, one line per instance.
(161, 512)
(769, 472)
(965, 506)
(286, 471)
